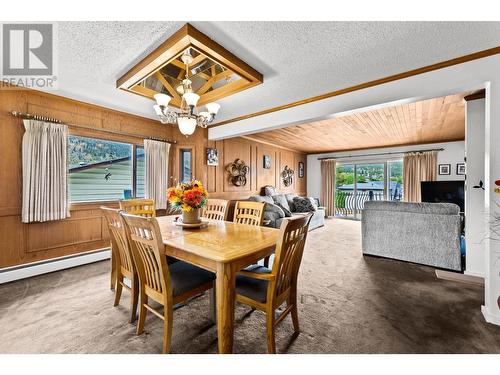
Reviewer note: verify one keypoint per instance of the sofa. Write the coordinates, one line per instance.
(277, 206)
(423, 233)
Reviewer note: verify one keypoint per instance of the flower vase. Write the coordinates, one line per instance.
(191, 217)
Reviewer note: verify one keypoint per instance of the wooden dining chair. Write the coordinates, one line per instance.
(267, 289)
(168, 285)
(250, 213)
(139, 206)
(216, 209)
(124, 264)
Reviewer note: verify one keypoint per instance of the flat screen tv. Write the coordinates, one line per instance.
(444, 192)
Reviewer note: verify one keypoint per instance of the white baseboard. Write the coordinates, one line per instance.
(489, 317)
(38, 268)
(459, 277)
(476, 274)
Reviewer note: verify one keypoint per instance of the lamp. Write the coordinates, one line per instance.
(187, 118)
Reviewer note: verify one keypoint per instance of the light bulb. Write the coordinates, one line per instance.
(205, 115)
(158, 110)
(187, 125)
(213, 108)
(162, 99)
(191, 98)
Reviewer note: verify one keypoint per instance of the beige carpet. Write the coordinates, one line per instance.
(347, 304)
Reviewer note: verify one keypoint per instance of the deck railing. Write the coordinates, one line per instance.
(346, 201)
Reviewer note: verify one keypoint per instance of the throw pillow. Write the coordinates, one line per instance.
(281, 199)
(289, 199)
(260, 198)
(285, 210)
(270, 190)
(304, 204)
(274, 208)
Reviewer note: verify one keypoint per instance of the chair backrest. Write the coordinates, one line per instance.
(118, 238)
(288, 255)
(140, 206)
(250, 213)
(216, 209)
(145, 241)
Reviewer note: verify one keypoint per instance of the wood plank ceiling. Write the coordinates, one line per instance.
(428, 121)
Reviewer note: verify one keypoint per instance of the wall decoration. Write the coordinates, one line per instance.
(212, 157)
(461, 169)
(267, 162)
(444, 169)
(301, 169)
(238, 172)
(287, 176)
(497, 189)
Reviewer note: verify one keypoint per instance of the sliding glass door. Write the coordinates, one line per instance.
(357, 183)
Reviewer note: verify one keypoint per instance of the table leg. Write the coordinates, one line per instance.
(225, 285)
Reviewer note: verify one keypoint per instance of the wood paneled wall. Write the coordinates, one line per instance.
(252, 153)
(85, 230)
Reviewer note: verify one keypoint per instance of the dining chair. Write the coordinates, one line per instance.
(139, 206)
(165, 284)
(267, 289)
(124, 264)
(250, 213)
(216, 209)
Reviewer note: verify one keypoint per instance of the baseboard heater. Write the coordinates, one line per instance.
(56, 264)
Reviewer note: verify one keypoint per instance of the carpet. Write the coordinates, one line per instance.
(347, 304)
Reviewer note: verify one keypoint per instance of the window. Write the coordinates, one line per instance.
(102, 170)
(185, 165)
(140, 172)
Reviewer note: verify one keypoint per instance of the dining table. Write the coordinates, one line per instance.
(222, 247)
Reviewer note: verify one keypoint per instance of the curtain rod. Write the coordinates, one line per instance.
(379, 154)
(28, 116)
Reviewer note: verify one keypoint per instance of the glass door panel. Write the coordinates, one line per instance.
(395, 183)
(369, 186)
(344, 191)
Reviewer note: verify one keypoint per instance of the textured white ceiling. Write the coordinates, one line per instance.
(298, 59)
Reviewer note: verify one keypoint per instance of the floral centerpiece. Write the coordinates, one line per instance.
(190, 198)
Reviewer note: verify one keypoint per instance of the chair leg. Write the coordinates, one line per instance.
(113, 272)
(295, 318)
(292, 300)
(213, 304)
(134, 298)
(142, 313)
(118, 289)
(271, 342)
(167, 327)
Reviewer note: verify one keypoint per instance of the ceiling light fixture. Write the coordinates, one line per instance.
(188, 117)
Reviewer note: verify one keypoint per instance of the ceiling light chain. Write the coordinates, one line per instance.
(188, 118)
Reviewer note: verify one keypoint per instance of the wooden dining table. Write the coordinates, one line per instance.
(224, 248)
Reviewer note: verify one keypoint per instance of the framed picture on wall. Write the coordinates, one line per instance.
(444, 169)
(212, 157)
(267, 162)
(301, 169)
(461, 169)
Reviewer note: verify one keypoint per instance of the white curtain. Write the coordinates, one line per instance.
(156, 159)
(44, 172)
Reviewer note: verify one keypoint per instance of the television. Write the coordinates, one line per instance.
(444, 192)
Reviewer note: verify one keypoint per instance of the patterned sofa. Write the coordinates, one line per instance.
(277, 206)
